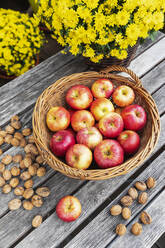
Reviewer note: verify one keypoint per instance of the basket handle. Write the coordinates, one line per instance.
(123, 69)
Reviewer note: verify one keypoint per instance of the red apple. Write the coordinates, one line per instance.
(82, 119)
(101, 107)
(61, 141)
(123, 95)
(134, 117)
(90, 137)
(108, 153)
(68, 208)
(79, 156)
(58, 118)
(79, 97)
(111, 125)
(129, 140)
(102, 88)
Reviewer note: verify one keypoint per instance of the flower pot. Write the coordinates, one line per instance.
(3, 74)
(113, 60)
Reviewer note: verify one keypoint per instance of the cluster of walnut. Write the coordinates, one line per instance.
(127, 200)
(19, 176)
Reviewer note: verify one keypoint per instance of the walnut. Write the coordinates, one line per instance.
(16, 124)
(19, 190)
(126, 200)
(126, 213)
(7, 159)
(28, 184)
(14, 204)
(22, 165)
(6, 175)
(27, 205)
(23, 142)
(26, 132)
(143, 198)
(37, 220)
(31, 148)
(140, 186)
(17, 158)
(9, 129)
(3, 133)
(6, 189)
(18, 136)
(121, 229)
(39, 159)
(41, 172)
(28, 193)
(44, 192)
(25, 175)
(37, 201)
(116, 210)
(151, 182)
(8, 138)
(1, 152)
(136, 228)
(15, 142)
(31, 139)
(133, 193)
(14, 182)
(32, 170)
(14, 118)
(27, 162)
(145, 218)
(15, 171)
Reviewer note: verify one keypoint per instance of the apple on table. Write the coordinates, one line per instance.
(68, 208)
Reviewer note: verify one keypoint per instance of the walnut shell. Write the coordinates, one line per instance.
(1, 140)
(143, 198)
(2, 181)
(37, 220)
(145, 218)
(151, 182)
(15, 171)
(15, 142)
(43, 191)
(6, 189)
(28, 184)
(14, 204)
(27, 205)
(126, 213)
(9, 129)
(133, 193)
(2, 167)
(26, 131)
(116, 210)
(7, 159)
(126, 201)
(19, 190)
(17, 158)
(28, 193)
(16, 124)
(18, 136)
(136, 228)
(41, 172)
(37, 201)
(140, 186)
(14, 182)
(6, 175)
(25, 175)
(121, 229)
(8, 138)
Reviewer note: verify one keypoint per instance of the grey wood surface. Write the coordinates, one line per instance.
(19, 97)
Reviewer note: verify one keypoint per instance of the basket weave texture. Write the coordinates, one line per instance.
(54, 95)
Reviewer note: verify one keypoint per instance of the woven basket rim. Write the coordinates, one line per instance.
(121, 169)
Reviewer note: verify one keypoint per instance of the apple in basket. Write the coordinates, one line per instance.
(82, 119)
(79, 97)
(134, 117)
(101, 107)
(123, 96)
(90, 137)
(68, 208)
(108, 153)
(79, 156)
(111, 125)
(61, 141)
(129, 140)
(102, 88)
(58, 118)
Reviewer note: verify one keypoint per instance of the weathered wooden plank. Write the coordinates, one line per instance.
(91, 196)
(51, 65)
(147, 60)
(33, 76)
(159, 97)
(161, 241)
(150, 232)
(100, 231)
(16, 223)
(30, 95)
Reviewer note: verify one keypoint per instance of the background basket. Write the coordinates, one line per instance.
(54, 95)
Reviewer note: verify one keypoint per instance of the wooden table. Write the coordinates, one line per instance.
(95, 227)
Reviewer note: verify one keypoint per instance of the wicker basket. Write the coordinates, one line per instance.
(104, 63)
(55, 95)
